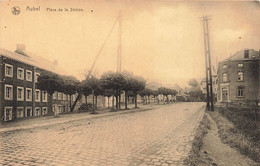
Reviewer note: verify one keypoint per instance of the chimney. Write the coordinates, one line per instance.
(20, 47)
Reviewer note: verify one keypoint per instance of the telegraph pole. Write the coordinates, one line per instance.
(119, 51)
(207, 73)
(210, 98)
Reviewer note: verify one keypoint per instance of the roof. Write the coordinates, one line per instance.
(240, 55)
(33, 60)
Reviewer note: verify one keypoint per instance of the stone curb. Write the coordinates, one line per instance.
(89, 116)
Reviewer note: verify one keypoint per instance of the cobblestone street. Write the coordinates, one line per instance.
(160, 136)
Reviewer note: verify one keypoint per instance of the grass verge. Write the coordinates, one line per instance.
(238, 131)
(194, 157)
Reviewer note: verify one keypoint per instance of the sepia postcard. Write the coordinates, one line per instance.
(130, 82)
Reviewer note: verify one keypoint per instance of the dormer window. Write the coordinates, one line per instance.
(246, 54)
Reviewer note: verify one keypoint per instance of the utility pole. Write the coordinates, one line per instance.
(210, 98)
(119, 51)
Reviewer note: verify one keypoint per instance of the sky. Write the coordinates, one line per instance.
(162, 40)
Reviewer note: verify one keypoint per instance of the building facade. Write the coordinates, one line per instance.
(238, 78)
(19, 97)
(203, 84)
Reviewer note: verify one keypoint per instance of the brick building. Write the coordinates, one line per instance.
(238, 78)
(19, 97)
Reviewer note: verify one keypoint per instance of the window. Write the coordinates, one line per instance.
(59, 109)
(36, 76)
(8, 70)
(240, 65)
(28, 94)
(28, 75)
(240, 92)
(8, 92)
(224, 66)
(246, 54)
(44, 96)
(28, 112)
(37, 111)
(20, 93)
(44, 110)
(19, 112)
(20, 73)
(64, 96)
(37, 95)
(224, 77)
(240, 76)
(8, 113)
(54, 95)
(59, 96)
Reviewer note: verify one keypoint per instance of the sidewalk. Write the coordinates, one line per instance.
(64, 118)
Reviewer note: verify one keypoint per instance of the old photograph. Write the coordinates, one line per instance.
(130, 82)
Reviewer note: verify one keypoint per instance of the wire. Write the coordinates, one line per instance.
(103, 45)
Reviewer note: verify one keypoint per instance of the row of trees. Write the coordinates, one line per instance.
(111, 84)
(51, 82)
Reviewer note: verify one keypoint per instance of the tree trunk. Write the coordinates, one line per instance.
(96, 102)
(93, 101)
(126, 100)
(136, 101)
(108, 103)
(119, 99)
(70, 103)
(163, 98)
(50, 111)
(113, 102)
(86, 99)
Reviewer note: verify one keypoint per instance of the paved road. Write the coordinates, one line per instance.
(160, 136)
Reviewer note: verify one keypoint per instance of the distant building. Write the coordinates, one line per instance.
(203, 86)
(19, 97)
(238, 78)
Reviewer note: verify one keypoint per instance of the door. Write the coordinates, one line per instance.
(8, 114)
(224, 94)
(28, 112)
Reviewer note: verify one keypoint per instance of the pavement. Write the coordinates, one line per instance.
(34, 122)
(152, 135)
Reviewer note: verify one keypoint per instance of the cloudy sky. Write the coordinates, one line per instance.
(161, 40)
